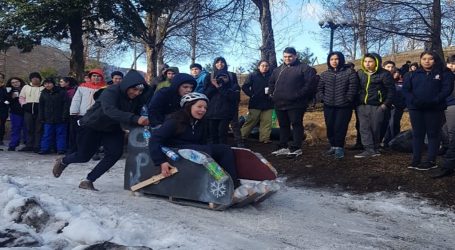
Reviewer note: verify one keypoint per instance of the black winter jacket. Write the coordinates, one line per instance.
(293, 86)
(14, 104)
(54, 106)
(167, 100)
(427, 90)
(378, 87)
(167, 136)
(338, 86)
(224, 101)
(254, 87)
(113, 108)
(3, 106)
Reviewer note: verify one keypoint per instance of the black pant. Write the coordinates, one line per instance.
(358, 139)
(88, 142)
(34, 130)
(221, 153)
(449, 157)
(286, 119)
(3, 118)
(385, 124)
(394, 127)
(425, 123)
(235, 126)
(337, 122)
(72, 133)
(218, 131)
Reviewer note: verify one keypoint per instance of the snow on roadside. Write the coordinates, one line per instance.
(294, 218)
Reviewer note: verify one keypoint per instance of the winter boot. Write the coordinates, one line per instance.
(87, 184)
(59, 166)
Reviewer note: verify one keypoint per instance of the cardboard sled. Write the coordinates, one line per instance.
(191, 183)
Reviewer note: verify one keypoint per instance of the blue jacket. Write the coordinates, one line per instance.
(167, 136)
(200, 80)
(167, 100)
(427, 90)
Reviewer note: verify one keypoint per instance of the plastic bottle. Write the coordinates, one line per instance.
(274, 120)
(214, 169)
(146, 133)
(170, 153)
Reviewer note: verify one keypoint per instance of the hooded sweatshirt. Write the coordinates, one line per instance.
(224, 100)
(338, 86)
(376, 87)
(114, 108)
(167, 100)
(83, 98)
(29, 98)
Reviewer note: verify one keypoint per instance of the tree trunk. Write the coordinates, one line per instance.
(193, 41)
(77, 63)
(363, 42)
(150, 45)
(436, 42)
(268, 41)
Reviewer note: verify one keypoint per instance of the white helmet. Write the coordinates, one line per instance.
(192, 97)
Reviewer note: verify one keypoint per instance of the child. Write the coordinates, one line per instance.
(54, 114)
(18, 129)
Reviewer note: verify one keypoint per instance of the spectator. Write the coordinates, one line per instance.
(224, 97)
(338, 88)
(29, 99)
(413, 67)
(83, 99)
(53, 113)
(199, 75)
(169, 74)
(118, 105)
(292, 85)
(18, 129)
(116, 78)
(426, 90)
(377, 90)
(398, 106)
(3, 107)
(220, 64)
(167, 100)
(260, 105)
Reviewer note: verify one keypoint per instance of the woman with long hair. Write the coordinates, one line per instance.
(18, 129)
(426, 90)
(186, 129)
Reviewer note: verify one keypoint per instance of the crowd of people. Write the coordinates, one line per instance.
(197, 110)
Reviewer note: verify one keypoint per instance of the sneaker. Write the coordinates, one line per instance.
(331, 151)
(424, 166)
(86, 184)
(295, 153)
(11, 148)
(44, 152)
(62, 152)
(59, 166)
(282, 151)
(442, 172)
(339, 153)
(367, 153)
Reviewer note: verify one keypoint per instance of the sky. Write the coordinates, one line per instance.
(295, 23)
(293, 218)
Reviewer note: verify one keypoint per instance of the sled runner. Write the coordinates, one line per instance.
(198, 180)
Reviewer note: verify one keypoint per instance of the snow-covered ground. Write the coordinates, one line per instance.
(294, 218)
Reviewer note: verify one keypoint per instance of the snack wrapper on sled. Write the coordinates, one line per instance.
(197, 179)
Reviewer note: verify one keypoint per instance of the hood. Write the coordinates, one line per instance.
(180, 79)
(131, 79)
(173, 69)
(341, 62)
(376, 57)
(99, 72)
